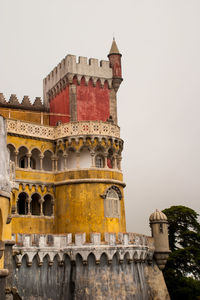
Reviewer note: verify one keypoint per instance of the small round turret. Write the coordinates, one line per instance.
(159, 228)
(157, 216)
(114, 57)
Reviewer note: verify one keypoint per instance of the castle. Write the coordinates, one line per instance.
(62, 218)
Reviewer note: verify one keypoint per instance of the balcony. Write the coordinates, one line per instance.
(63, 130)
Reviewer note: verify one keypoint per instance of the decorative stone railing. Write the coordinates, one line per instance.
(64, 130)
(133, 247)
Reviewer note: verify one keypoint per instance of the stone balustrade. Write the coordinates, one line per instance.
(70, 129)
(134, 247)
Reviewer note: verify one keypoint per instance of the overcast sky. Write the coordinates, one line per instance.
(158, 101)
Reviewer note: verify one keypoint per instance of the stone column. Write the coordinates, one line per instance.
(119, 162)
(41, 201)
(28, 200)
(28, 155)
(113, 105)
(16, 162)
(106, 162)
(72, 102)
(78, 160)
(53, 164)
(115, 161)
(92, 153)
(41, 161)
(65, 161)
(56, 163)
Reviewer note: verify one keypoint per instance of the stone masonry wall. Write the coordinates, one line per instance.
(56, 268)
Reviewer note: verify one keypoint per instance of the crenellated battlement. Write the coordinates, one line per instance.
(26, 104)
(69, 64)
(83, 68)
(133, 246)
(79, 239)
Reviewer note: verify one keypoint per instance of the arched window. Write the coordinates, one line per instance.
(48, 205)
(35, 159)
(22, 157)
(71, 159)
(23, 162)
(35, 204)
(110, 159)
(112, 203)
(22, 205)
(11, 149)
(61, 164)
(47, 162)
(85, 158)
(99, 161)
(161, 228)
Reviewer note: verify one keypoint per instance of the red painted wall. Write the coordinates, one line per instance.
(115, 61)
(92, 101)
(60, 104)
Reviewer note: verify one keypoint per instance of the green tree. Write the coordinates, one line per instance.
(182, 271)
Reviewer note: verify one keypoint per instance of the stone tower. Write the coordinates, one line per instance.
(83, 94)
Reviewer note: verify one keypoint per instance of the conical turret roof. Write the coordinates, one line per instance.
(114, 49)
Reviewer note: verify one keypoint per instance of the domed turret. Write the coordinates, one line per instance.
(159, 228)
(157, 216)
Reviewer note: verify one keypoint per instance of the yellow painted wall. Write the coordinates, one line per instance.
(80, 208)
(17, 142)
(24, 115)
(89, 173)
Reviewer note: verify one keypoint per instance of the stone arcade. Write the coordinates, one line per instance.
(62, 218)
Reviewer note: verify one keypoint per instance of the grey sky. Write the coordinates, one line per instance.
(159, 100)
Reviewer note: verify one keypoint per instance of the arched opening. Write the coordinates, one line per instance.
(61, 164)
(22, 157)
(99, 161)
(85, 158)
(11, 149)
(35, 204)
(112, 204)
(110, 159)
(22, 205)
(48, 205)
(47, 161)
(35, 159)
(71, 159)
(91, 260)
(104, 260)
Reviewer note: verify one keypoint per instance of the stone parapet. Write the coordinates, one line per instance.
(69, 67)
(26, 104)
(132, 246)
(71, 129)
